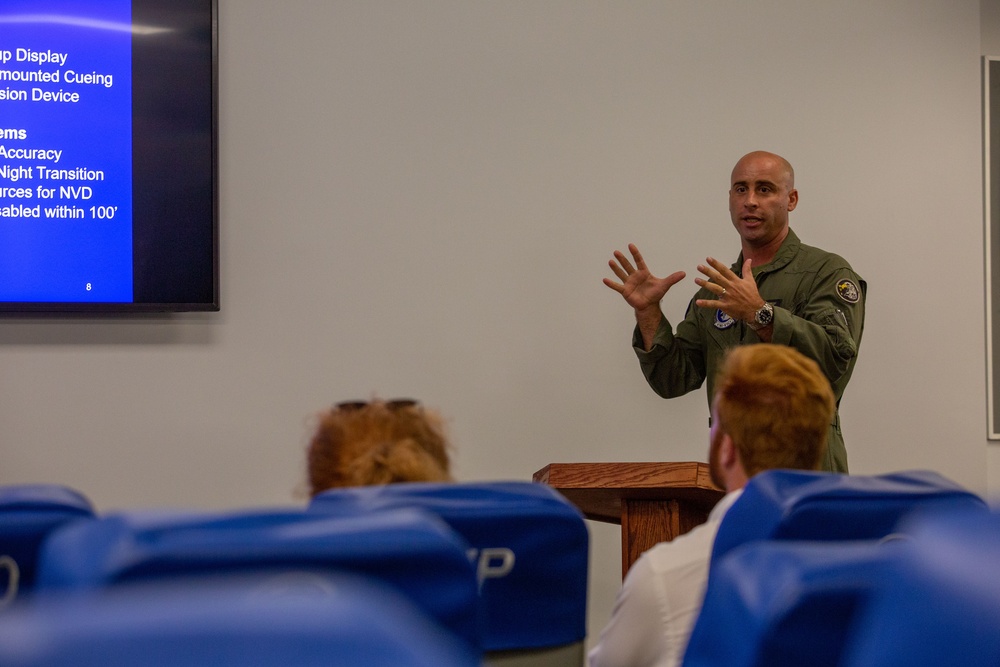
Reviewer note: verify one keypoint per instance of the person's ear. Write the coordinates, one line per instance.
(728, 456)
(793, 199)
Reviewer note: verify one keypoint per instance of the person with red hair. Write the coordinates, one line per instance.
(359, 443)
(772, 409)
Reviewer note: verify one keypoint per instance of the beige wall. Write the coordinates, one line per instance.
(989, 12)
(419, 199)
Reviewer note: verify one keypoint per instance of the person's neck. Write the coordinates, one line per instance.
(762, 255)
(735, 479)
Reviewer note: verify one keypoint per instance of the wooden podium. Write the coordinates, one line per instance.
(653, 502)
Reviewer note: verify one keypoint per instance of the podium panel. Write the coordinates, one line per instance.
(653, 502)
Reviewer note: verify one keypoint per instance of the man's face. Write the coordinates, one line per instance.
(760, 198)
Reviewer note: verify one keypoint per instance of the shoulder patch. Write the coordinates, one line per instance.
(723, 321)
(848, 291)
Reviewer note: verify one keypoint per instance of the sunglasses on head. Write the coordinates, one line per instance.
(392, 404)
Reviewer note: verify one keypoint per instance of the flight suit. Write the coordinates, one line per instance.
(819, 309)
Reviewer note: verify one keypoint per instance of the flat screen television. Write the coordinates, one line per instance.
(108, 156)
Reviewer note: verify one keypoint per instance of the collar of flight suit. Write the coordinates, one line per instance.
(786, 253)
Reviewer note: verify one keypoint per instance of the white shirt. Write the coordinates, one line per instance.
(660, 599)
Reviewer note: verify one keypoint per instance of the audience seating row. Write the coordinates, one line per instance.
(808, 568)
(500, 567)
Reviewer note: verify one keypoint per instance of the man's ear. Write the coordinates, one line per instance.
(793, 199)
(731, 464)
(728, 456)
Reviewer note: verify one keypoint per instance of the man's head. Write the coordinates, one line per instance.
(761, 195)
(772, 409)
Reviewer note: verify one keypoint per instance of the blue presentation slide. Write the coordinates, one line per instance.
(65, 151)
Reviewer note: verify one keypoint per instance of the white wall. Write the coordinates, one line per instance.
(420, 199)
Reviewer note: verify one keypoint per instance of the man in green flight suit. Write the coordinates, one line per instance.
(779, 291)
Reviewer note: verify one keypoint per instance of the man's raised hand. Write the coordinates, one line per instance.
(641, 289)
(736, 296)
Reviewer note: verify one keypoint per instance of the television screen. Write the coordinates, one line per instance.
(108, 156)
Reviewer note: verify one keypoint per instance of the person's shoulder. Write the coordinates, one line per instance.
(822, 259)
(817, 252)
(693, 547)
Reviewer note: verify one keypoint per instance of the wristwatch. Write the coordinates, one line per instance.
(763, 317)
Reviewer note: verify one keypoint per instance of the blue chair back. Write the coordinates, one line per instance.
(28, 513)
(412, 550)
(529, 545)
(785, 603)
(940, 604)
(800, 505)
(272, 618)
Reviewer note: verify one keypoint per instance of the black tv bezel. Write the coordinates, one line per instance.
(206, 266)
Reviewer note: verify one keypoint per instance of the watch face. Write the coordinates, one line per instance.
(764, 315)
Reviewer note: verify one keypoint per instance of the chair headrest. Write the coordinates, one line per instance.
(265, 618)
(411, 549)
(529, 545)
(787, 602)
(794, 504)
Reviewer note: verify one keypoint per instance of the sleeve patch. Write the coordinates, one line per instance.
(848, 291)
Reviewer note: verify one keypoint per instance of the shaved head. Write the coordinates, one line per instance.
(760, 157)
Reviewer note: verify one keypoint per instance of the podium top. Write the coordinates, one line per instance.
(598, 489)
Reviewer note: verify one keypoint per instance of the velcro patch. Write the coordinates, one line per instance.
(848, 291)
(723, 321)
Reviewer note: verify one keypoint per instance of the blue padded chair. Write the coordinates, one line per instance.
(410, 549)
(530, 546)
(785, 603)
(940, 604)
(28, 513)
(264, 619)
(800, 505)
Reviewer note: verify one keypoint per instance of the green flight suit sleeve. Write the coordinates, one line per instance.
(674, 364)
(826, 320)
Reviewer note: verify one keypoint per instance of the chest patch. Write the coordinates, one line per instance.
(848, 291)
(723, 321)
